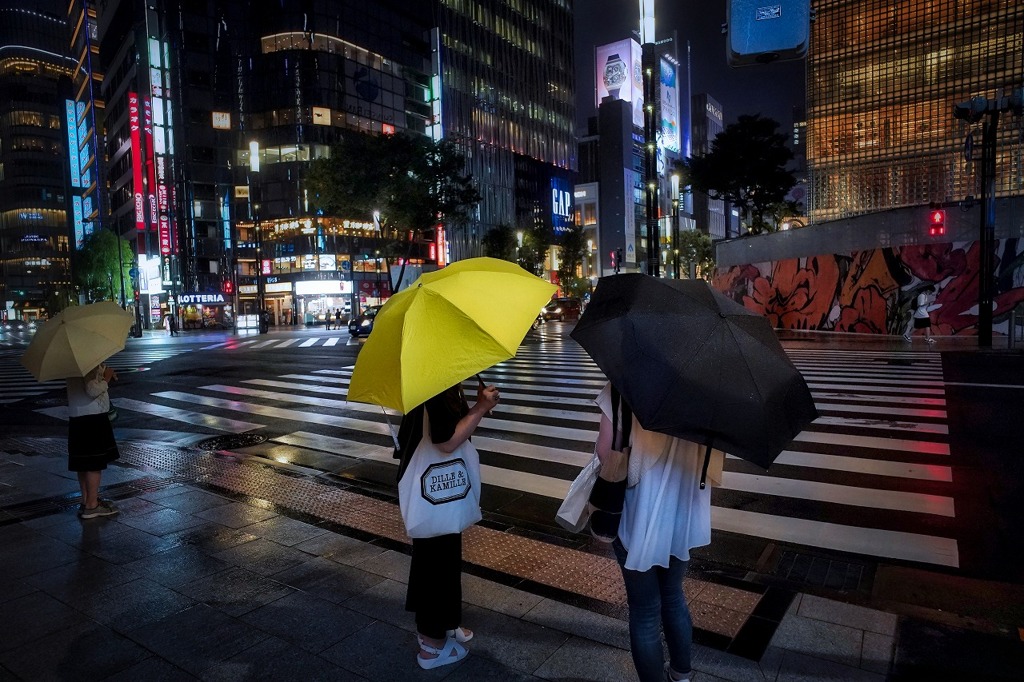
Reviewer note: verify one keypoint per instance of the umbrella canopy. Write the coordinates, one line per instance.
(76, 340)
(696, 365)
(446, 327)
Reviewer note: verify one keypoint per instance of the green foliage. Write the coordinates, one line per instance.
(411, 182)
(695, 248)
(574, 248)
(97, 270)
(500, 243)
(747, 167)
(536, 240)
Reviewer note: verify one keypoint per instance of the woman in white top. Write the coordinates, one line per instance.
(666, 513)
(91, 444)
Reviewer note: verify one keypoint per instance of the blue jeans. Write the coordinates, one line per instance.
(655, 598)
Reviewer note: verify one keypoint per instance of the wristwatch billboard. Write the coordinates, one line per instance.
(615, 74)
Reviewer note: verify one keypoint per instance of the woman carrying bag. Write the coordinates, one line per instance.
(667, 512)
(439, 495)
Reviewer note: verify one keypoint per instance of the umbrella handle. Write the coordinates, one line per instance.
(704, 469)
(483, 385)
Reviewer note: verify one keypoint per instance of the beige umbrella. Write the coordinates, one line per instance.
(76, 340)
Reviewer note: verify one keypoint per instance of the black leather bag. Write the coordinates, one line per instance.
(609, 493)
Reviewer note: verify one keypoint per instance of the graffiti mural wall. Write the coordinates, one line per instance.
(873, 291)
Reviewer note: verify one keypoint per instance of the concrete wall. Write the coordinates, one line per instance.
(863, 274)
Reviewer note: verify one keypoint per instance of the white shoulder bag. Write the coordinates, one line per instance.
(439, 493)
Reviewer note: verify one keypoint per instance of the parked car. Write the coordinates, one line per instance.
(362, 324)
(563, 309)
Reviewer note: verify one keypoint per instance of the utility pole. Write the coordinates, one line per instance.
(972, 111)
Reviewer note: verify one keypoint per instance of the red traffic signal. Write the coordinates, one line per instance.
(229, 287)
(936, 223)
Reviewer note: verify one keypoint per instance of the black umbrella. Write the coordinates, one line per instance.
(696, 365)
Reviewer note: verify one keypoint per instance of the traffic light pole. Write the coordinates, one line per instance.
(972, 111)
(986, 239)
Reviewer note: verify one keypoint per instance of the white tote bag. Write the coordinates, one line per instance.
(439, 493)
(575, 510)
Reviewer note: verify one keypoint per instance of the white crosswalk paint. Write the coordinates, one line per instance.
(557, 387)
(871, 541)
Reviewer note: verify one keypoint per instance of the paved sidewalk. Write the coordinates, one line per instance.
(219, 568)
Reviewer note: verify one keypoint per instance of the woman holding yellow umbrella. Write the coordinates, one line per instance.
(73, 345)
(426, 340)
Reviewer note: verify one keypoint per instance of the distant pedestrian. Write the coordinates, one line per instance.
(91, 444)
(337, 318)
(327, 320)
(666, 514)
(172, 321)
(922, 317)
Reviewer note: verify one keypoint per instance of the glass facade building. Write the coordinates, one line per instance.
(35, 83)
(241, 101)
(883, 77)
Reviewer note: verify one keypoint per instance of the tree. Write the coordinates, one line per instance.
(746, 167)
(573, 249)
(695, 249)
(99, 271)
(408, 183)
(500, 243)
(537, 239)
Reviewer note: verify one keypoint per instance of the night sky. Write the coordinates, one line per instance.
(772, 90)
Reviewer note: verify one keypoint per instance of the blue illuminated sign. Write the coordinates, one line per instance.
(561, 204)
(69, 114)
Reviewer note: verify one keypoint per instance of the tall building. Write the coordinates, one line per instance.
(35, 82)
(612, 161)
(708, 121)
(216, 111)
(883, 78)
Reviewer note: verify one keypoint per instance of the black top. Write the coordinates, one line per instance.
(444, 411)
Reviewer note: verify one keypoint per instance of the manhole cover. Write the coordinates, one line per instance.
(231, 442)
(819, 571)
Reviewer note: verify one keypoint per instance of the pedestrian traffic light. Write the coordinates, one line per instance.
(936, 222)
(615, 265)
(229, 288)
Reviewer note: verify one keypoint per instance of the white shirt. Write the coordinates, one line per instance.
(666, 514)
(88, 395)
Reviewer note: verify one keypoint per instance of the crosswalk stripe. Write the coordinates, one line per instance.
(871, 541)
(880, 423)
(309, 342)
(187, 416)
(331, 341)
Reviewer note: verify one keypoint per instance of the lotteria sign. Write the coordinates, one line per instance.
(201, 299)
(135, 124)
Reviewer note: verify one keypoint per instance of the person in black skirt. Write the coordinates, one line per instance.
(91, 445)
(435, 573)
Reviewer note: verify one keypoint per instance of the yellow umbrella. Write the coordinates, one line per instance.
(76, 340)
(445, 328)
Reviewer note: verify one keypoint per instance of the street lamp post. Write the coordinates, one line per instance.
(254, 202)
(674, 230)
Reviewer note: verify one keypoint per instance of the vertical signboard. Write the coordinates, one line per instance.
(561, 205)
(76, 211)
(136, 146)
(670, 138)
(70, 121)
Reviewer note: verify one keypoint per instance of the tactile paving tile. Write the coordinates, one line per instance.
(715, 608)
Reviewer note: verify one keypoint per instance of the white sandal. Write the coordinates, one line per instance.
(451, 652)
(461, 635)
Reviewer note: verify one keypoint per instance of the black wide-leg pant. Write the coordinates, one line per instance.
(435, 584)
